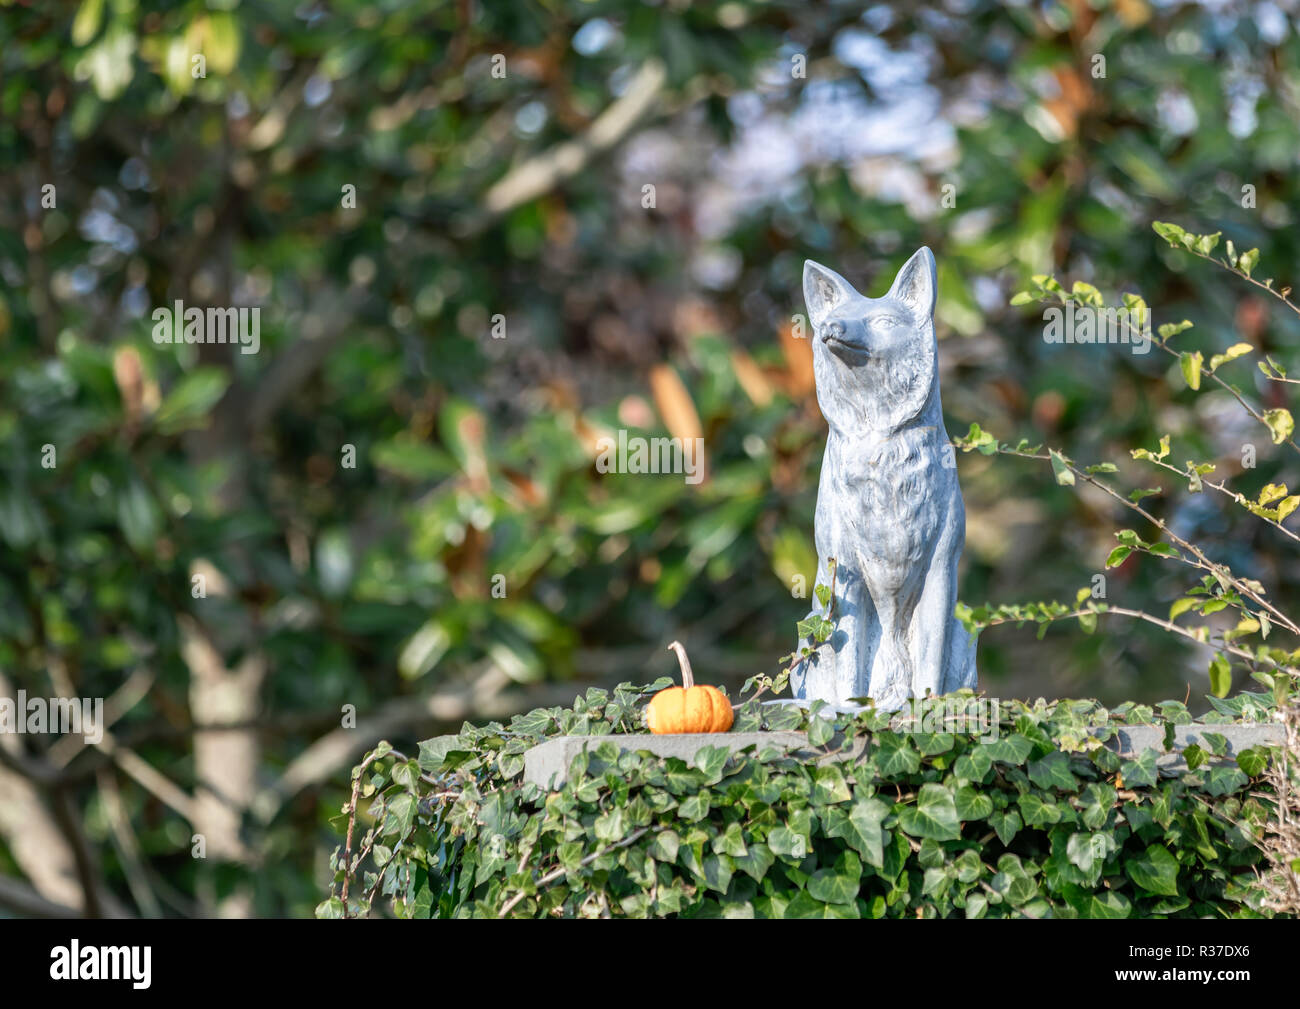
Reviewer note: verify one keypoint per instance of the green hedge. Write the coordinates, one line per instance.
(937, 824)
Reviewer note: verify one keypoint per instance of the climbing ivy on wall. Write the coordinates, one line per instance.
(1030, 816)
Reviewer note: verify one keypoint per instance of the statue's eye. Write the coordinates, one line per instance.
(885, 322)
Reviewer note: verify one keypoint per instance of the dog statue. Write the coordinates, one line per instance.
(889, 509)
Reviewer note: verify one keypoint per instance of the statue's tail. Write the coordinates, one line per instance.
(960, 668)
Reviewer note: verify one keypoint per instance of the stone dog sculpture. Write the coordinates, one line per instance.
(889, 509)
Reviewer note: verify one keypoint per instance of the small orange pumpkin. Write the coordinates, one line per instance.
(688, 708)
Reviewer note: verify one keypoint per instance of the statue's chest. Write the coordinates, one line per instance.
(888, 494)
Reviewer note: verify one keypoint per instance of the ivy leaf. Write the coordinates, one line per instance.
(785, 842)
(400, 815)
(756, 862)
(710, 760)
(696, 807)
(731, 841)
(820, 730)
(1253, 761)
(665, 844)
(862, 830)
(1053, 771)
(816, 628)
(1097, 904)
(805, 905)
(1012, 749)
(1224, 779)
(933, 816)
(829, 786)
(1155, 871)
(972, 805)
(838, 885)
(1007, 824)
(1140, 772)
(895, 756)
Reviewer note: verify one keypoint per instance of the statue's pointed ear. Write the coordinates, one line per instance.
(823, 289)
(916, 283)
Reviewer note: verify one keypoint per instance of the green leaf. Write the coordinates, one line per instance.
(785, 842)
(1220, 676)
(1254, 760)
(85, 26)
(1007, 823)
(1064, 475)
(189, 401)
(1280, 423)
(1156, 871)
(710, 760)
(400, 814)
(1225, 779)
(933, 816)
(718, 870)
(1247, 261)
(1097, 904)
(1012, 749)
(1115, 558)
(1231, 354)
(805, 905)
(1171, 233)
(1053, 771)
(862, 830)
(1140, 772)
(1190, 362)
(610, 827)
(434, 751)
(664, 845)
(695, 807)
(829, 785)
(972, 805)
(820, 730)
(838, 885)
(895, 756)
(1206, 244)
(756, 861)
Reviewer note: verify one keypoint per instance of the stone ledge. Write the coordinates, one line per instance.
(547, 764)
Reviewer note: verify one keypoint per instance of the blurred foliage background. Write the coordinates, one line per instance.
(500, 154)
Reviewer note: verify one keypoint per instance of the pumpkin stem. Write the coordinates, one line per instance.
(688, 678)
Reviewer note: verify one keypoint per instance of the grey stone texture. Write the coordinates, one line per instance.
(547, 764)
